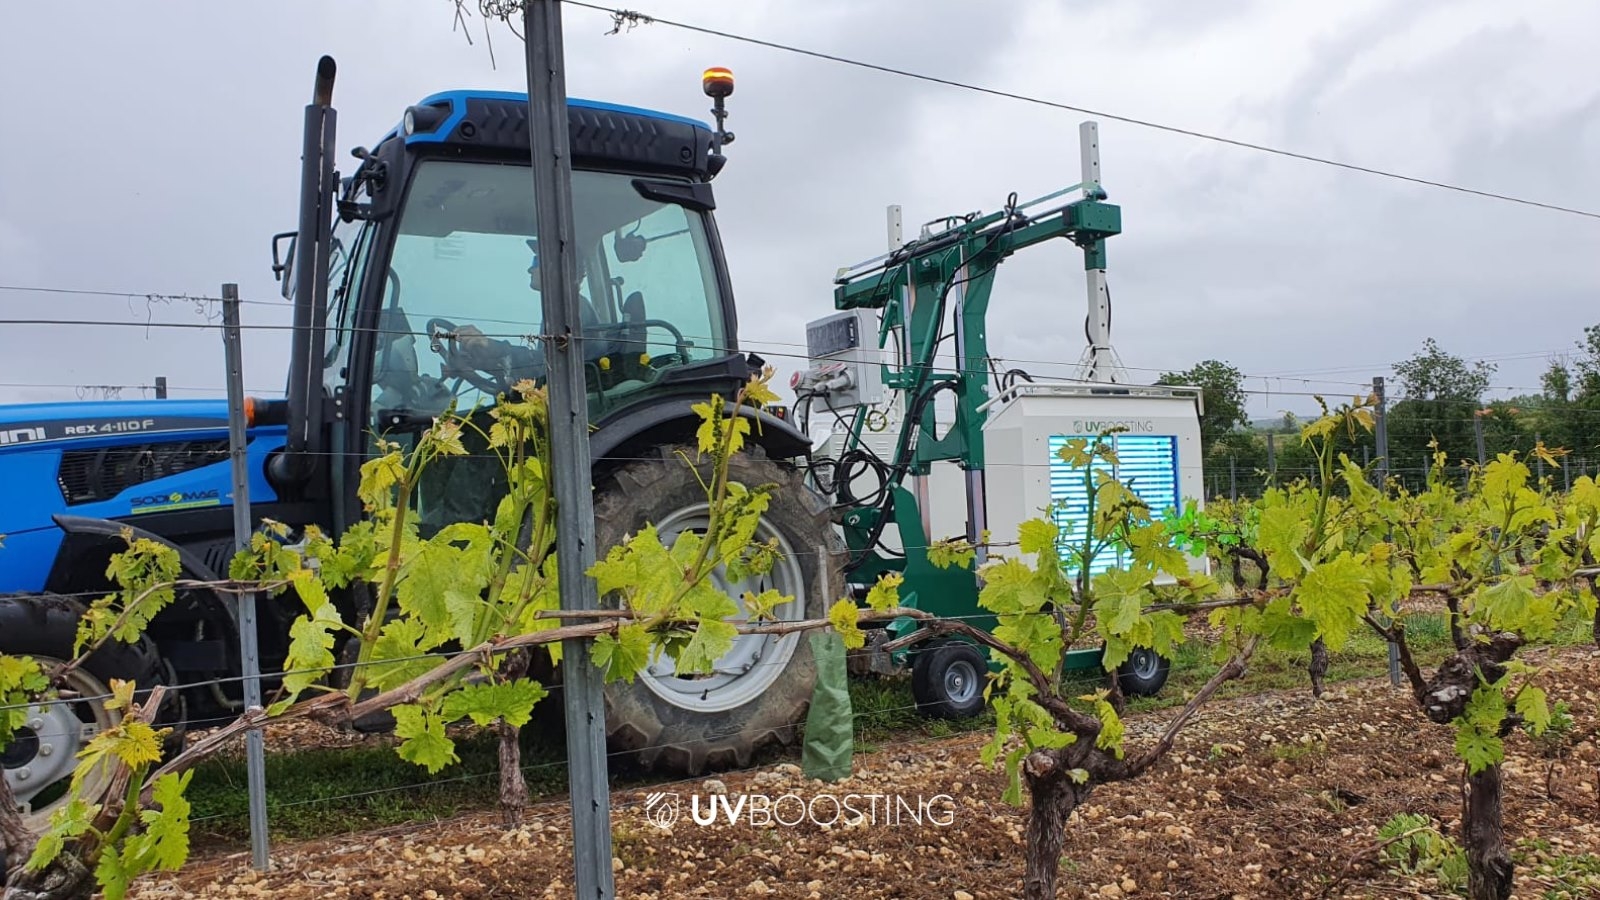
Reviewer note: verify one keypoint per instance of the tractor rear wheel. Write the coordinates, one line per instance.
(758, 694)
(39, 761)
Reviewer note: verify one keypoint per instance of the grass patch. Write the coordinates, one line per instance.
(886, 711)
(312, 793)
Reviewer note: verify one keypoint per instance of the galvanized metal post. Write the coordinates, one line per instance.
(1381, 429)
(1538, 460)
(550, 153)
(1566, 476)
(1381, 438)
(1233, 478)
(1272, 456)
(250, 655)
(1477, 435)
(161, 387)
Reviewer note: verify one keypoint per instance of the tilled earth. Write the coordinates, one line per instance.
(1274, 795)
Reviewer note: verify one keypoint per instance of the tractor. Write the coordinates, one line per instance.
(414, 281)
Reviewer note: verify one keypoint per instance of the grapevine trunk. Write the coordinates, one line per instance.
(1054, 797)
(1488, 862)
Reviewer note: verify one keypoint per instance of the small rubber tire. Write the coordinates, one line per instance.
(947, 679)
(46, 626)
(1143, 673)
(646, 730)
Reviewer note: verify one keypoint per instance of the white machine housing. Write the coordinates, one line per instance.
(1160, 452)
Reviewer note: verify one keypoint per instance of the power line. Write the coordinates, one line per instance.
(628, 15)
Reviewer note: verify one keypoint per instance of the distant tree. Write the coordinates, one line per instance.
(1440, 392)
(1222, 386)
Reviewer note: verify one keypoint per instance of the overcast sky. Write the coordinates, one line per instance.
(154, 148)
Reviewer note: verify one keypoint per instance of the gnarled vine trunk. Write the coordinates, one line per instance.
(1488, 861)
(1319, 666)
(1054, 797)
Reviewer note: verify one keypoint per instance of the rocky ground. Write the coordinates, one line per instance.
(1274, 795)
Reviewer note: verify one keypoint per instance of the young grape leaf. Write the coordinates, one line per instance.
(511, 701)
(842, 616)
(423, 739)
(624, 655)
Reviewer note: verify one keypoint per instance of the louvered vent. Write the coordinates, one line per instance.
(1147, 464)
(87, 476)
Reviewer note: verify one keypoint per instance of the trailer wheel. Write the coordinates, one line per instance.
(947, 679)
(1143, 673)
(760, 690)
(39, 761)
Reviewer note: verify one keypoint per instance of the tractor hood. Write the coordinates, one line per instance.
(26, 425)
(122, 460)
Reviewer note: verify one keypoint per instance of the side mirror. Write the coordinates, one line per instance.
(283, 261)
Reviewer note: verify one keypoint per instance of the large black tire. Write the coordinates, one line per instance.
(947, 679)
(1144, 673)
(44, 626)
(688, 734)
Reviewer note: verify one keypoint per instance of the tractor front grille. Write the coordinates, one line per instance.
(87, 476)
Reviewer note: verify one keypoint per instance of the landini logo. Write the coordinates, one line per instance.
(663, 809)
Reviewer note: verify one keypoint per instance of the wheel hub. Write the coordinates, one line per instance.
(44, 751)
(754, 661)
(960, 681)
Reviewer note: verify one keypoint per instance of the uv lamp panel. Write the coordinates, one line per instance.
(1162, 445)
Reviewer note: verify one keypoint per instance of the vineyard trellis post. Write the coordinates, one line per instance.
(582, 688)
(1233, 478)
(1380, 436)
(1272, 457)
(1538, 439)
(249, 652)
(1477, 435)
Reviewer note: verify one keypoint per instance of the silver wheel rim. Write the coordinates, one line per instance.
(960, 682)
(1144, 664)
(44, 751)
(755, 661)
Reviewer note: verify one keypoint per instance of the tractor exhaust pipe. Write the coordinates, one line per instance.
(318, 189)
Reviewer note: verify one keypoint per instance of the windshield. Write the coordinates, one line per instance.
(462, 303)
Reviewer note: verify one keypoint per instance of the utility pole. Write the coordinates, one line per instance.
(249, 652)
(550, 150)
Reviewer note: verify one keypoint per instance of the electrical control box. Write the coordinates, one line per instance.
(845, 361)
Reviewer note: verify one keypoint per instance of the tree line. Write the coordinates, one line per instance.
(1435, 401)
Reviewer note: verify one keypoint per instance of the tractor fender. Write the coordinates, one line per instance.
(671, 420)
(90, 531)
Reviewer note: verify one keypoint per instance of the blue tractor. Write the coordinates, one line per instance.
(411, 290)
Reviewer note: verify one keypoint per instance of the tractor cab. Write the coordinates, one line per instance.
(431, 295)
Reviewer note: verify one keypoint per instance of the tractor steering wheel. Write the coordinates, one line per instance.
(442, 340)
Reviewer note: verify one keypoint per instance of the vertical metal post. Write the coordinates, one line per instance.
(255, 750)
(1477, 435)
(1099, 364)
(550, 154)
(1381, 438)
(1381, 429)
(161, 387)
(1566, 476)
(895, 228)
(1233, 478)
(1272, 457)
(1538, 460)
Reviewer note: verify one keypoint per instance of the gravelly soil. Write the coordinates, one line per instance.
(1274, 795)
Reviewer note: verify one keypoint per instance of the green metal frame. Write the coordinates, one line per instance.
(967, 253)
